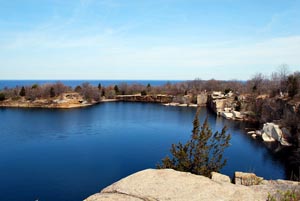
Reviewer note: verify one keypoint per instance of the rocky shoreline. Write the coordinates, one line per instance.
(65, 101)
(224, 105)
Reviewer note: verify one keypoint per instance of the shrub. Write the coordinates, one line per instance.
(202, 154)
(2, 96)
(289, 195)
(143, 93)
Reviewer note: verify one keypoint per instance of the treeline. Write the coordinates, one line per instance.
(278, 83)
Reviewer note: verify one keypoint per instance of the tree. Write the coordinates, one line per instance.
(52, 92)
(148, 87)
(116, 88)
(99, 86)
(34, 86)
(257, 83)
(22, 92)
(293, 86)
(202, 154)
(2, 96)
(78, 89)
(283, 71)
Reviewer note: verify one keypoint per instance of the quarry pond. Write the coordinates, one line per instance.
(48, 154)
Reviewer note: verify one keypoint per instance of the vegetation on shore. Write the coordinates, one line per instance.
(265, 98)
(202, 154)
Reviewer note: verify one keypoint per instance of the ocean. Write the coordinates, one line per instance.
(74, 83)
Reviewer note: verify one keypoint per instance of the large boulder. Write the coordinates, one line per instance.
(168, 185)
(215, 176)
(237, 115)
(227, 115)
(247, 179)
(272, 131)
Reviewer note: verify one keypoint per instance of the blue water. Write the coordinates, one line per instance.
(67, 155)
(74, 83)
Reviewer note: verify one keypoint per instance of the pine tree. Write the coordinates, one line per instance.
(22, 92)
(116, 88)
(202, 154)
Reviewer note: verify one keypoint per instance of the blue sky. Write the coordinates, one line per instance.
(139, 39)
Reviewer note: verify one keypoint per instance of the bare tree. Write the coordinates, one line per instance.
(283, 71)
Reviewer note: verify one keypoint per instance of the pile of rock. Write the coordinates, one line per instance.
(231, 114)
(271, 133)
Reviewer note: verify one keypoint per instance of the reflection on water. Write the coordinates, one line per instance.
(70, 154)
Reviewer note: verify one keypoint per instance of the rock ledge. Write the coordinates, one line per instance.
(168, 184)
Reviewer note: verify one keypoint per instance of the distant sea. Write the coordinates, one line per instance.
(74, 83)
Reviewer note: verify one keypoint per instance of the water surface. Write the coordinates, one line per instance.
(70, 154)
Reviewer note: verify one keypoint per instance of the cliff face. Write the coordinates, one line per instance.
(282, 111)
(167, 184)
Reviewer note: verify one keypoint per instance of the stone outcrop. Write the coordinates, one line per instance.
(215, 176)
(247, 179)
(168, 185)
(272, 132)
(202, 99)
(282, 111)
(227, 115)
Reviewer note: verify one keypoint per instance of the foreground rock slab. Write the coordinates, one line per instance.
(167, 184)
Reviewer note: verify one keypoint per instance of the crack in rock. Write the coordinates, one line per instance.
(135, 196)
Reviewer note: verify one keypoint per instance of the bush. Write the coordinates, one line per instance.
(289, 195)
(143, 93)
(2, 96)
(202, 154)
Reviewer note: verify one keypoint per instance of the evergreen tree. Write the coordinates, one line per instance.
(293, 86)
(52, 92)
(116, 88)
(99, 86)
(22, 92)
(2, 96)
(202, 154)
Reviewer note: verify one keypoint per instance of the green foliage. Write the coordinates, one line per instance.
(22, 92)
(202, 154)
(2, 96)
(99, 86)
(148, 89)
(35, 86)
(116, 88)
(289, 195)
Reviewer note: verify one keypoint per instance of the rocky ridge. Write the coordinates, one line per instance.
(171, 185)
